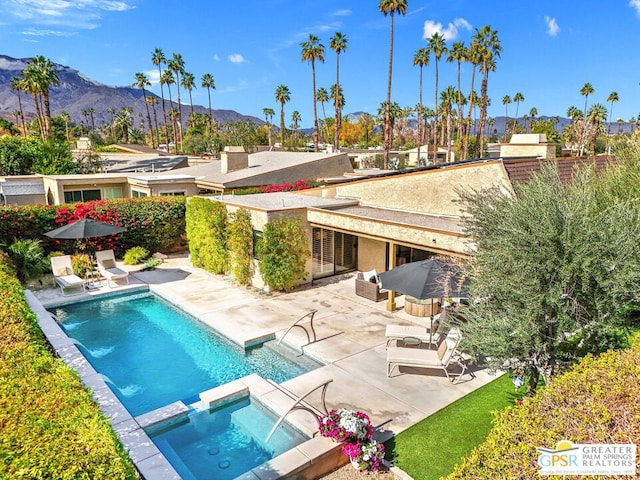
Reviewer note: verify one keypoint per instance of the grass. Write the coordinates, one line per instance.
(430, 449)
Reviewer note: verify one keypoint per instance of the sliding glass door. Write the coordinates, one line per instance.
(333, 252)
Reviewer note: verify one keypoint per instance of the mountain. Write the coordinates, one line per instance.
(76, 93)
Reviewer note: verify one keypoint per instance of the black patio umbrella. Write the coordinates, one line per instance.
(426, 279)
(84, 228)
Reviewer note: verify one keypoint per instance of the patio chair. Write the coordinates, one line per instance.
(441, 328)
(106, 261)
(64, 277)
(428, 359)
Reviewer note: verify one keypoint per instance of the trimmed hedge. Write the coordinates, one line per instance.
(50, 427)
(155, 223)
(598, 401)
(207, 224)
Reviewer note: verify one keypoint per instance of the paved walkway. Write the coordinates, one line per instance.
(350, 340)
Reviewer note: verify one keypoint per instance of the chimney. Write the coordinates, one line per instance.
(233, 158)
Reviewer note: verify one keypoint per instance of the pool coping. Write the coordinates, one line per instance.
(304, 461)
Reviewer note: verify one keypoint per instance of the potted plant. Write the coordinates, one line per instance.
(344, 425)
(365, 456)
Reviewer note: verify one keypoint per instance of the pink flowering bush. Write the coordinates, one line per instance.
(366, 455)
(345, 425)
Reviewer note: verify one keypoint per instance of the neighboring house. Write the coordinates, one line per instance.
(21, 190)
(528, 145)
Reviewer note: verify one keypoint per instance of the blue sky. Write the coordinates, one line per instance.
(550, 48)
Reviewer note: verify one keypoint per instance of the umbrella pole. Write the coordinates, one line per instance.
(431, 326)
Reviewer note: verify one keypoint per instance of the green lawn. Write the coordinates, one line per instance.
(431, 448)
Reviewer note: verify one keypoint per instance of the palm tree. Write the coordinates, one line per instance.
(40, 75)
(613, 97)
(282, 96)
(390, 7)
(586, 90)
(448, 97)
(158, 59)
(176, 65)
(66, 118)
(151, 101)
(268, 116)
(189, 83)
(421, 59)
(141, 82)
(490, 49)
(532, 113)
(458, 53)
(111, 112)
(18, 85)
(124, 123)
(436, 46)
(336, 94)
(339, 44)
(168, 79)
(323, 96)
(506, 100)
(517, 98)
(207, 82)
(313, 50)
(296, 118)
(473, 56)
(596, 116)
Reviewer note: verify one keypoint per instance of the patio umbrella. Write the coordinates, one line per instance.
(84, 228)
(426, 279)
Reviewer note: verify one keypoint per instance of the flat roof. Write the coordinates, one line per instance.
(283, 201)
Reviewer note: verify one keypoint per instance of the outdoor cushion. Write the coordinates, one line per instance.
(370, 276)
(62, 271)
(108, 263)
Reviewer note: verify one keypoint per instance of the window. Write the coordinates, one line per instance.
(112, 192)
(75, 196)
(257, 236)
(173, 194)
(138, 193)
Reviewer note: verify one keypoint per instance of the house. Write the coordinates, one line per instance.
(21, 190)
(528, 145)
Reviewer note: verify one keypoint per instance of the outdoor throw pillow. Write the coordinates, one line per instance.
(371, 276)
(107, 264)
(61, 272)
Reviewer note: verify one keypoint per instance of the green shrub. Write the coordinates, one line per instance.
(135, 256)
(207, 233)
(50, 426)
(82, 264)
(28, 258)
(151, 264)
(240, 243)
(598, 401)
(282, 253)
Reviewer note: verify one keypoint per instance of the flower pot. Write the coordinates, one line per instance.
(355, 465)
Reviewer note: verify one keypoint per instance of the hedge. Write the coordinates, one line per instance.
(50, 427)
(598, 401)
(155, 223)
(207, 224)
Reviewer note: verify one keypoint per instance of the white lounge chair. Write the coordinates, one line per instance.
(441, 329)
(106, 261)
(429, 359)
(63, 275)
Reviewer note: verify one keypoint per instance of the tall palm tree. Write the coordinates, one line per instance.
(268, 116)
(40, 75)
(207, 82)
(506, 100)
(473, 57)
(323, 96)
(66, 119)
(176, 65)
(124, 123)
(458, 53)
(517, 98)
(158, 59)
(596, 117)
(448, 97)
(168, 79)
(336, 94)
(613, 97)
(436, 46)
(390, 7)
(151, 101)
(586, 90)
(338, 43)
(189, 83)
(142, 82)
(296, 118)
(532, 113)
(283, 95)
(420, 59)
(18, 85)
(490, 48)
(312, 51)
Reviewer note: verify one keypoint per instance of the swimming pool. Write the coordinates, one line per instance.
(223, 443)
(152, 354)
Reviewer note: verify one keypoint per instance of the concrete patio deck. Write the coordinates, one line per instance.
(350, 340)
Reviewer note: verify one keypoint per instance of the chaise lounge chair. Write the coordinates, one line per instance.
(107, 267)
(63, 275)
(429, 359)
(441, 328)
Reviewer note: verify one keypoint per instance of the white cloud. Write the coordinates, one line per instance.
(236, 58)
(33, 32)
(636, 5)
(216, 57)
(449, 33)
(153, 76)
(341, 13)
(552, 26)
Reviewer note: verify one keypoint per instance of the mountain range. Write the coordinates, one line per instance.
(76, 93)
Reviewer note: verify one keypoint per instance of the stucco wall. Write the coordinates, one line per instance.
(371, 254)
(432, 191)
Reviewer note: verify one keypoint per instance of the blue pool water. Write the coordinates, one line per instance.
(223, 444)
(152, 354)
